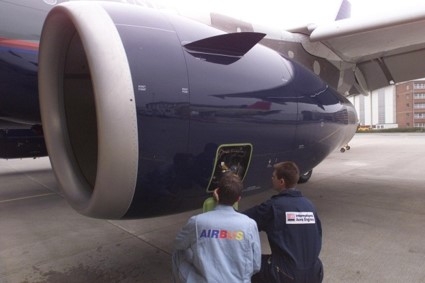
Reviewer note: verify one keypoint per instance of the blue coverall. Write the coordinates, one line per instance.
(294, 232)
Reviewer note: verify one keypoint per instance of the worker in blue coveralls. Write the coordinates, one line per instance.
(293, 229)
(221, 245)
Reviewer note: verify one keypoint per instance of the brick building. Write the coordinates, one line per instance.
(410, 104)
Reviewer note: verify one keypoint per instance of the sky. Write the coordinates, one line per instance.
(363, 8)
(290, 13)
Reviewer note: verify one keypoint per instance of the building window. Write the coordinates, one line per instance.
(381, 106)
(419, 105)
(419, 96)
(362, 111)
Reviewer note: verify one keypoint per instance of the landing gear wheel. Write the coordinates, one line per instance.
(344, 148)
(305, 177)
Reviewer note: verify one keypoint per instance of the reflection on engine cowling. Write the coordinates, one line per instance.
(230, 157)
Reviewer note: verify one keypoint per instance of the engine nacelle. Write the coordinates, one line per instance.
(141, 109)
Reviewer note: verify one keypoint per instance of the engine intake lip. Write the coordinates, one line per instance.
(108, 190)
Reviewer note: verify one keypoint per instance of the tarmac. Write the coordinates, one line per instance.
(370, 200)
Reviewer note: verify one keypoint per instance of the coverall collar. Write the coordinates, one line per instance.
(290, 192)
(224, 207)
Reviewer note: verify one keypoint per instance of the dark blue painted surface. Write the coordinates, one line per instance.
(187, 104)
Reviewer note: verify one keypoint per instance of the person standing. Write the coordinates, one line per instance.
(293, 230)
(221, 245)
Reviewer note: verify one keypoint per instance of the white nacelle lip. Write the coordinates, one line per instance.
(117, 163)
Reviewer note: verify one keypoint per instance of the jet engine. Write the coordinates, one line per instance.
(143, 110)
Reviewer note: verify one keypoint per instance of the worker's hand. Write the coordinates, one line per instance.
(215, 195)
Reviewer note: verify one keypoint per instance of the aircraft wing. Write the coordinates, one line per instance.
(382, 51)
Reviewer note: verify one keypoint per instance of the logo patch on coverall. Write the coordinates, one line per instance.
(300, 217)
(222, 234)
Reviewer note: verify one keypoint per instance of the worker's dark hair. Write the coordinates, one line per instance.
(229, 188)
(289, 172)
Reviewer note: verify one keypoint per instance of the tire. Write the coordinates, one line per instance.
(305, 177)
